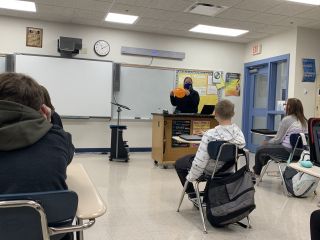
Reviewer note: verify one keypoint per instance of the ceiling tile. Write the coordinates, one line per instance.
(275, 29)
(257, 5)
(267, 18)
(176, 5)
(311, 14)
(87, 14)
(261, 17)
(43, 9)
(239, 14)
(127, 9)
(157, 14)
(294, 22)
(101, 6)
(60, 3)
(227, 3)
(289, 9)
(141, 3)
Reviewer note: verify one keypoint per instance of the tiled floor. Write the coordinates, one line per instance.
(142, 200)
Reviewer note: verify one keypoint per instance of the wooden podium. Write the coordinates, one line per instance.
(165, 150)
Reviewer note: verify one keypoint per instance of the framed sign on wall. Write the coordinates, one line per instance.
(34, 37)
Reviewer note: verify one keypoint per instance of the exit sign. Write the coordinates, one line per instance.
(256, 49)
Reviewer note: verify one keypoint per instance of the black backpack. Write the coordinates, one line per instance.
(230, 199)
(229, 196)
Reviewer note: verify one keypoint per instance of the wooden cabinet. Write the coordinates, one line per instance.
(164, 126)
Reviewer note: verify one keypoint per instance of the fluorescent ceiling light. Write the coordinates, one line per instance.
(18, 5)
(312, 2)
(121, 18)
(230, 32)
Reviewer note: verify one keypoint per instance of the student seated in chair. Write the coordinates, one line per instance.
(280, 146)
(192, 167)
(34, 154)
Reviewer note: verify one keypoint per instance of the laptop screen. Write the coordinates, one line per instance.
(207, 109)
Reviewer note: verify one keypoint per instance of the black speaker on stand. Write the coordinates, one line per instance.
(119, 147)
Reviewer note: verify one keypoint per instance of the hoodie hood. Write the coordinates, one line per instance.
(20, 126)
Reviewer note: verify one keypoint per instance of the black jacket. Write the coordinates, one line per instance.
(187, 104)
(56, 119)
(34, 154)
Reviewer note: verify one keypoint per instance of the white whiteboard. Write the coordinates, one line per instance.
(77, 87)
(145, 91)
(2, 64)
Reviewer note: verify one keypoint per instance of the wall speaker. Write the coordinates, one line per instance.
(116, 77)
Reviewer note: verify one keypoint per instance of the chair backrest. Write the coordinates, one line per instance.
(27, 215)
(296, 141)
(314, 140)
(225, 152)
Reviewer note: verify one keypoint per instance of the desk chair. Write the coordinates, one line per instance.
(220, 151)
(299, 143)
(39, 216)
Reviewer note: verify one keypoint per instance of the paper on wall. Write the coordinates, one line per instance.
(212, 90)
(201, 90)
(210, 79)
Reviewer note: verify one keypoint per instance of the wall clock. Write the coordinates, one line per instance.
(101, 48)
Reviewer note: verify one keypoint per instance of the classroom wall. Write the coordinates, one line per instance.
(95, 133)
(299, 43)
(280, 44)
(308, 46)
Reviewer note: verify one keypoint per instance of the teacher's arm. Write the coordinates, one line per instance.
(173, 99)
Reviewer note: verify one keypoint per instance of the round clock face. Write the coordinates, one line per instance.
(102, 48)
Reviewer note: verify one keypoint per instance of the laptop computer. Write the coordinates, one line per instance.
(188, 137)
(207, 109)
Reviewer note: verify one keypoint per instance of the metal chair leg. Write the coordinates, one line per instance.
(200, 207)
(182, 194)
(79, 235)
(283, 182)
(263, 172)
(249, 222)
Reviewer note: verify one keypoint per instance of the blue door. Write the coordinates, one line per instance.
(266, 84)
(259, 83)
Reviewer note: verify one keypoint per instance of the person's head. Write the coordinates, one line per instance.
(294, 107)
(187, 83)
(224, 110)
(46, 98)
(19, 88)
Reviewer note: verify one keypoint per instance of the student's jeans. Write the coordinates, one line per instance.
(183, 166)
(265, 152)
(314, 225)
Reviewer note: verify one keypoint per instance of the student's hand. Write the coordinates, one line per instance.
(171, 93)
(265, 142)
(187, 92)
(45, 112)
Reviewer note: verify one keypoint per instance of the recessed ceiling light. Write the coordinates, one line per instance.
(312, 2)
(230, 32)
(18, 5)
(121, 18)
